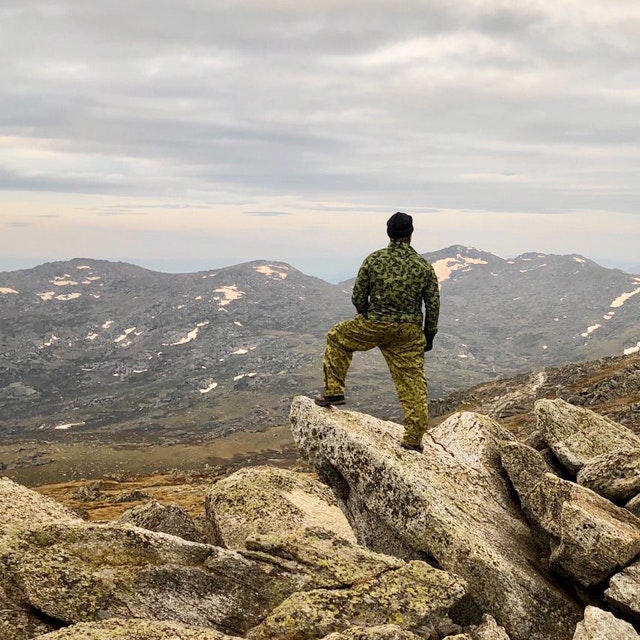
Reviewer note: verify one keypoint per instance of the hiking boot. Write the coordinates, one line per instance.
(327, 401)
(412, 447)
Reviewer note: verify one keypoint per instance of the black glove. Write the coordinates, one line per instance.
(429, 337)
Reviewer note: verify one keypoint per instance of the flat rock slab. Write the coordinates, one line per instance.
(321, 558)
(624, 591)
(267, 500)
(119, 629)
(602, 625)
(452, 504)
(577, 435)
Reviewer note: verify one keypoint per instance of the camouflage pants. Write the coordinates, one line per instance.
(402, 345)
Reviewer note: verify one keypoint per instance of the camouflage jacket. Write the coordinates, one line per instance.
(392, 285)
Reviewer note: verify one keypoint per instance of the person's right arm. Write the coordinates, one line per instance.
(361, 290)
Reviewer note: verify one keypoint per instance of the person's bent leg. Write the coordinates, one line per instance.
(405, 357)
(343, 339)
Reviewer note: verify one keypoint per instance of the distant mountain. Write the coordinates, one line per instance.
(95, 349)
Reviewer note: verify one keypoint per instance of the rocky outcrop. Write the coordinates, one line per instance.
(577, 435)
(634, 506)
(267, 500)
(130, 629)
(451, 504)
(602, 625)
(75, 572)
(589, 538)
(17, 622)
(489, 630)
(382, 632)
(171, 519)
(67, 572)
(315, 614)
(19, 505)
(614, 475)
(624, 591)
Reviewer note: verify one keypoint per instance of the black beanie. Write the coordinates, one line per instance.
(399, 225)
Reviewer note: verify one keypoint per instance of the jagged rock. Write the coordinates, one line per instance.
(382, 632)
(634, 505)
(89, 492)
(128, 629)
(416, 597)
(19, 505)
(524, 465)
(451, 504)
(78, 572)
(577, 435)
(131, 496)
(327, 560)
(267, 500)
(614, 475)
(624, 591)
(171, 519)
(589, 537)
(17, 623)
(459, 636)
(489, 630)
(602, 625)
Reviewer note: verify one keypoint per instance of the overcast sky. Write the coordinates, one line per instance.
(192, 134)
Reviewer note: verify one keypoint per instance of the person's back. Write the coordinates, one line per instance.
(390, 289)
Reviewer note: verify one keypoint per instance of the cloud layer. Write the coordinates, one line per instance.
(270, 109)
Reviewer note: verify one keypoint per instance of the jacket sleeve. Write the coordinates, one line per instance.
(431, 297)
(361, 290)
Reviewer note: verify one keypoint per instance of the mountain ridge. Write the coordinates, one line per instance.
(120, 351)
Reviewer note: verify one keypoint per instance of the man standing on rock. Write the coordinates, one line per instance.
(391, 287)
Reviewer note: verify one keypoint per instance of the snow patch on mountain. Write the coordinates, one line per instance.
(621, 299)
(630, 350)
(590, 330)
(7, 290)
(245, 375)
(208, 388)
(123, 336)
(63, 282)
(229, 294)
(54, 338)
(69, 296)
(271, 270)
(68, 425)
(192, 335)
(445, 267)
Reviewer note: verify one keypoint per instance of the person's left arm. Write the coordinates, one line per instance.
(431, 298)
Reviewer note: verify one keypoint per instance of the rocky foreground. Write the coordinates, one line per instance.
(482, 537)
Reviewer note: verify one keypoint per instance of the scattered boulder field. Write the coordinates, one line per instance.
(481, 537)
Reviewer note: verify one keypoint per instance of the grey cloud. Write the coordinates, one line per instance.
(262, 98)
(267, 214)
(18, 224)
